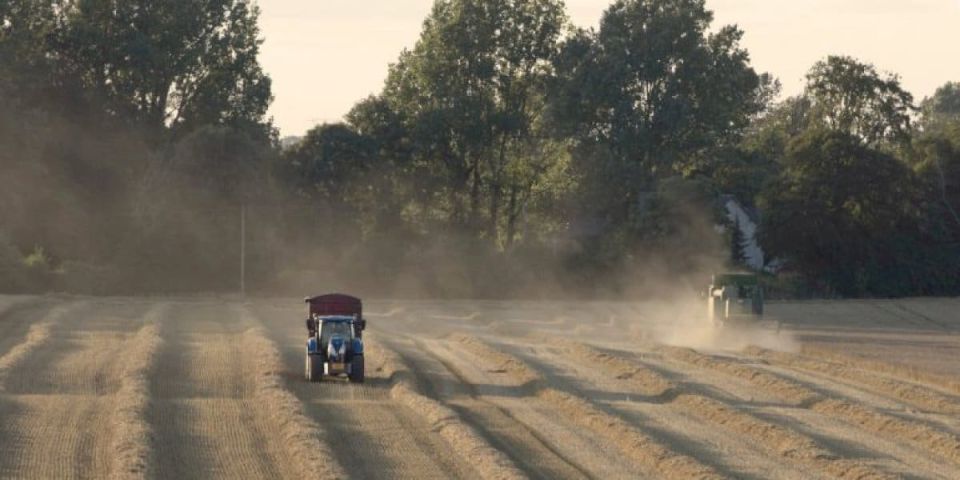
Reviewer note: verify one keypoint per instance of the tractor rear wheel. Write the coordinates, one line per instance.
(356, 369)
(313, 368)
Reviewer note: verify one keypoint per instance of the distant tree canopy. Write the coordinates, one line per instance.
(179, 63)
(858, 201)
(469, 97)
(653, 86)
(328, 161)
(650, 95)
(507, 152)
(815, 207)
(127, 126)
(936, 153)
(850, 96)
(942, 111)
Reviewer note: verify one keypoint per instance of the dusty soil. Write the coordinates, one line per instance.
(212, 388)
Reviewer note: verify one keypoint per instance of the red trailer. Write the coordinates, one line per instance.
(338, 304)
(334, 304)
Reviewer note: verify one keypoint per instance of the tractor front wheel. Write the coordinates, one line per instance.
(314, 367)
(356, 369)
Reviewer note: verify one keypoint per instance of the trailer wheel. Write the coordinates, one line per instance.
(356, 369)
(313, 368)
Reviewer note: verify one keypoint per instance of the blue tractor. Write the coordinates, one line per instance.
(335, 344)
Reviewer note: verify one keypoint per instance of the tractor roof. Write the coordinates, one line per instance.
(335, 318)
(335, 304)
(735, 279)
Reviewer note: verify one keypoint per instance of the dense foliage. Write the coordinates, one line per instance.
(508, 153)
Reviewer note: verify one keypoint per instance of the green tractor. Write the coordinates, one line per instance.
(735, 299)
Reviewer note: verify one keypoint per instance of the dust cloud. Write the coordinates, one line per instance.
(736, 338)
(680, 318)
(104, 210)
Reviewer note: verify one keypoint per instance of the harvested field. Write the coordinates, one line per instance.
(212, 388)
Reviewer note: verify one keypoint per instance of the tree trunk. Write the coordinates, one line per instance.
(475, 193)
(512, 215)
(495, 192)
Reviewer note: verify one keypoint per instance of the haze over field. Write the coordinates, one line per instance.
(507, 154)
(666, 247)
(316, 48)
(155, 388)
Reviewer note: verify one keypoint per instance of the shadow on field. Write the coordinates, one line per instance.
(41, 378)
(16, 321)
(10, 410)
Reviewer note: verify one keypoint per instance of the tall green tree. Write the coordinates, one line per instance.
(841, 214)
(123, 118)
(470, 93)
(328, 162)
(940, 113)
(945, 101)
(649, 95)
(653, 85)
(24, 29)
(937, 160)
(852, 97)
(177, 63)
(937, 150)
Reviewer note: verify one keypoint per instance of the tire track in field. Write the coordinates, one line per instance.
(79, 349)
(206, 417)
(371, 433)
(933, 381)
(782, 441)
(131, 444)
(16, 317)
(488, 462)
(60, 398)
(523, 444)
(848, 441)
(37, 333)
(911, 394)
(8, 301)
(635, 444)
(577, 445)
(925, 437)
(731, 454)
(302, 437)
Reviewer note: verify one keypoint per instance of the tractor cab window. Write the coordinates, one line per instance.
(330, 329)
(745, 292)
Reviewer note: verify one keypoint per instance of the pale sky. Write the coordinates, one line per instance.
(324, 55)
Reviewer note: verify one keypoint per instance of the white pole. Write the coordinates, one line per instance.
(243, 250)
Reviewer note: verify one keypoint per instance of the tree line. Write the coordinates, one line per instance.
(508, 153)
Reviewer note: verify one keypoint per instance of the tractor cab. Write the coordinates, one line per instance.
(335, 326)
